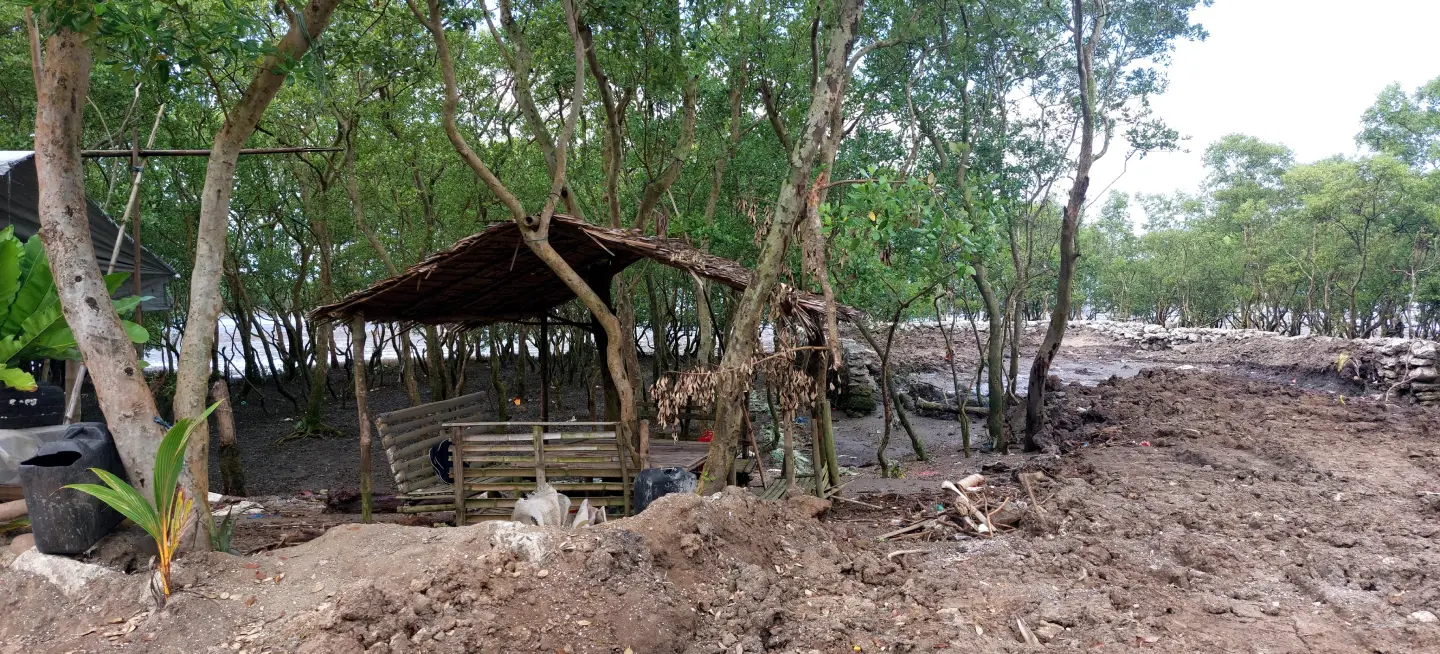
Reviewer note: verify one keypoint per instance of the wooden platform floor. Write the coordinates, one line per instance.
(689, 455)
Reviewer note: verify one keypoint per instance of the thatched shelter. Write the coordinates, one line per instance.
(492, 277)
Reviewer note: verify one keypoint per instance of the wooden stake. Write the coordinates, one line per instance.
(544, 368)
(362, 408)
(644, 444)
(539, 432)
(232, 468)
(817, 453)
(754, 445)
(457, 468)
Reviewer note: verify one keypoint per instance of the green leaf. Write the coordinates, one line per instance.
(9, 346)
(40, 321)
(11, 253)
(137, 333)
(127, 304)
(114, 280)
(170, 459)
(124, 498)
(17, 379)
(35, 287)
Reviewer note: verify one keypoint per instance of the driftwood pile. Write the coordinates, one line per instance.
(972, 509)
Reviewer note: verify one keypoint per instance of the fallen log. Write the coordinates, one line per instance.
(12, 510)
(922, 406)
(348, 501)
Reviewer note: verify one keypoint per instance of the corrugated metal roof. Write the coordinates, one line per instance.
(19, 200)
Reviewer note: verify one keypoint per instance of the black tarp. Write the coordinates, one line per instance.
(19, 197)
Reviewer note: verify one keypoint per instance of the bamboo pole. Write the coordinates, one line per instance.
(101, 154)
(75, 378)
(12, 510)
(362, 407)
(817, 454)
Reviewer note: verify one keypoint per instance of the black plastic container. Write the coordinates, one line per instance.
(653, 483)
(41, 407)
(64, 520)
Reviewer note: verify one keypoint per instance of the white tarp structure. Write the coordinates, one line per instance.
(19, 198)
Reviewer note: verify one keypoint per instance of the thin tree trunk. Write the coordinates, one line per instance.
(791, 204)
(994, 358)
(322, 334)
(62, 80)
(362, 409)
(232, 466)
(1069, 227)
(407, 367)
(705, 347)
(435, 361)
(496, 383)
(240, 121)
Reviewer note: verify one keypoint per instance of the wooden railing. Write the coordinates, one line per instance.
(582, 460)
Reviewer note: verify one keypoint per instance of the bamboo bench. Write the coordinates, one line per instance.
(407, 436)
(579, 459)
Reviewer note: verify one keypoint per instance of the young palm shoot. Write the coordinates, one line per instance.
(165, 519)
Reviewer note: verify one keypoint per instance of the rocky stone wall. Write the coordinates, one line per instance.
(1396, 366)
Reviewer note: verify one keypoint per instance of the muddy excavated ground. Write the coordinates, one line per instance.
(1244, 504)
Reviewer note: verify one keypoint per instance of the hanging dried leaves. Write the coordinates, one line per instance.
(784, 369)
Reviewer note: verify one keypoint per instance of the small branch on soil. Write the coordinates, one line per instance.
(846, 499)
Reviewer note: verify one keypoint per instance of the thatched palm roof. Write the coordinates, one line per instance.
(493, 277)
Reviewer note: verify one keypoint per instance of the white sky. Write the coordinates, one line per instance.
(1300, 72)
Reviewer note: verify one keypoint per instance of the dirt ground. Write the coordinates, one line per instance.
(1247, 503)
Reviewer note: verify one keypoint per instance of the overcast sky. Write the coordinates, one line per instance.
(1300, 72)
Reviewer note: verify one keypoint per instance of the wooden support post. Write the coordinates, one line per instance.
(362, 408)
(644, 444)
(817, 454)
(232, 468)
(754, 445)
(685, 422)
(544, 367)
(457, 472)
(539, 431)
(623, 444)
(832, 458)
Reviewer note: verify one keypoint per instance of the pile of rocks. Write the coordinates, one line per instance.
(1397, 366)
(858, 387)
(1409, 365)
(1149, 336)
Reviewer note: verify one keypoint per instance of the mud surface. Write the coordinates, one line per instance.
(1205, 510)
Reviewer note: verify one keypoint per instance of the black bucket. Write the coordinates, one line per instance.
(653, 483)
(64, 520)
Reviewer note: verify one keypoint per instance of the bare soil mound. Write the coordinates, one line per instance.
(1203, 513)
